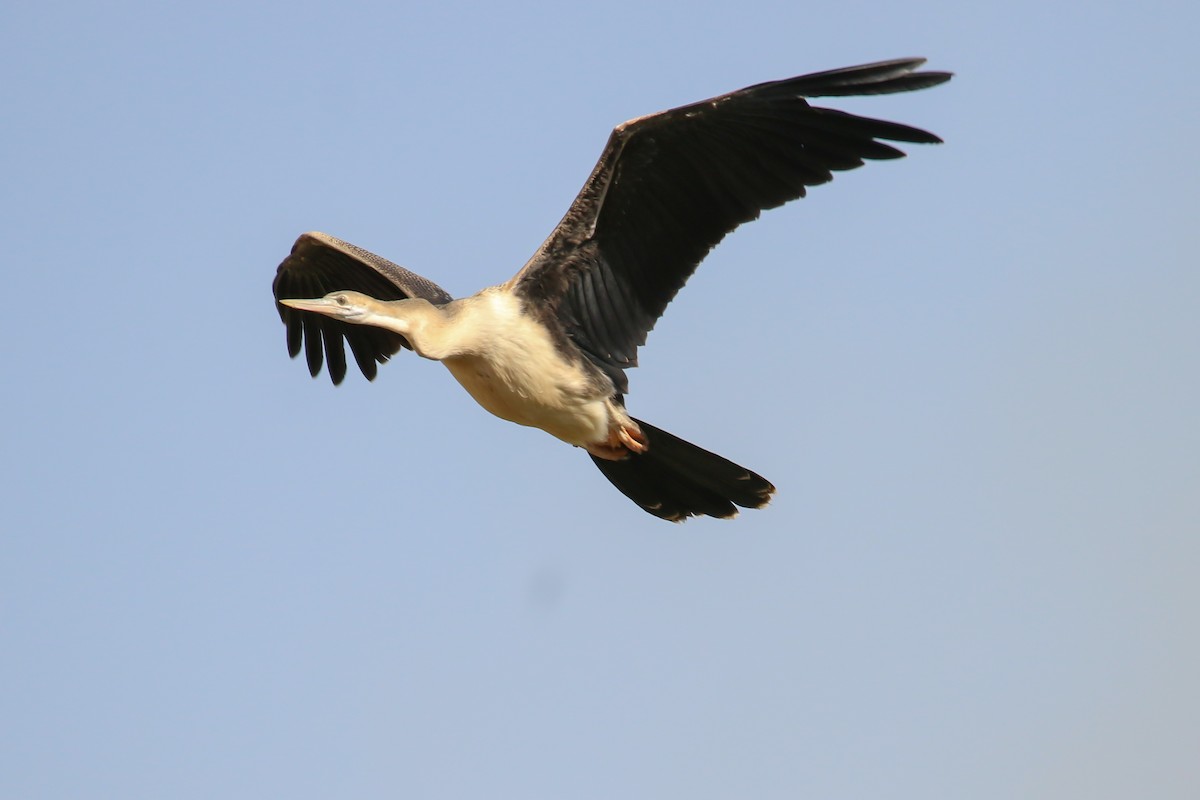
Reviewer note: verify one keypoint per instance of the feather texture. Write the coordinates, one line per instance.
(669, 186)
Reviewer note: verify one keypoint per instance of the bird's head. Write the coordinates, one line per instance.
(345, 306)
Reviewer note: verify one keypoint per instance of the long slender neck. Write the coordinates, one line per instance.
(428, 328)
(481, 324)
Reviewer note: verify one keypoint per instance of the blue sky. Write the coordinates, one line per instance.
(972, 374)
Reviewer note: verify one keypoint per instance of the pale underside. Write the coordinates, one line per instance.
(512, 367)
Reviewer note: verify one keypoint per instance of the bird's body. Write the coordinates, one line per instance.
(507, 362)
(520, 375)
(549, 348)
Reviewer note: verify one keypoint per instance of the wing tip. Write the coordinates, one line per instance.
(876, 77)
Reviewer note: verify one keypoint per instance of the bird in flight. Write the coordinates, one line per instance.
(549, 347)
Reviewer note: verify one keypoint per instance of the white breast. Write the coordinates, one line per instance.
(512, 368)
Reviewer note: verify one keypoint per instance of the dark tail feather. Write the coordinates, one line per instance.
(675, 479)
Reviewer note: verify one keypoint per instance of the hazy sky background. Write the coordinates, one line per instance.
(974, 376)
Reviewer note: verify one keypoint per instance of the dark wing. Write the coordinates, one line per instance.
(320, 264)
(669, 186)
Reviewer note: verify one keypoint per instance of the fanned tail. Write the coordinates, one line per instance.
(675, 479)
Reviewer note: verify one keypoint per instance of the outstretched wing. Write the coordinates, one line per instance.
(320, 264)
(669, 186)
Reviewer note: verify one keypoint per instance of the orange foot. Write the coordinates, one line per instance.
(633, 438)
(621, 443)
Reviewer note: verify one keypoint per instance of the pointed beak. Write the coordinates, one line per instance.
(320, 305)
